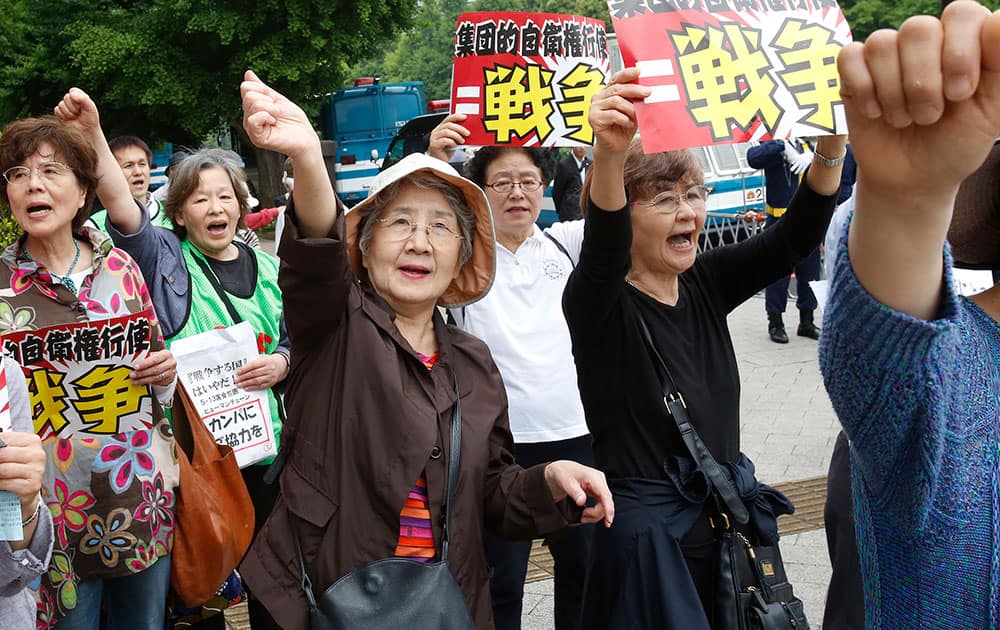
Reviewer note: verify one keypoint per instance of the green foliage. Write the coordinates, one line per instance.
(9, 229)
(867, 16)
(170, 69)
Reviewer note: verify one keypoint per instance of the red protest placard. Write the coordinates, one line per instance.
(78, 375)
(733, 70)
(527, 78)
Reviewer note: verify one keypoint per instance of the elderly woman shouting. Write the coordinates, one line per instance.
(111, 496)
(641, 286)
(377, 378)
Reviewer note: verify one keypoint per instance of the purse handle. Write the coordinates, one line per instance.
(677, 409)
(454, 459)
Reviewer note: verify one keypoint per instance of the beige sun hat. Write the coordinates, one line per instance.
(476, 276)
(974, 232)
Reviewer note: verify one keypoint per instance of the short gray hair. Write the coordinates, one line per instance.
(186, 176)
(456, 200)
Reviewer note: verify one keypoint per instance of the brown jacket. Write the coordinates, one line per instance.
(365, 417)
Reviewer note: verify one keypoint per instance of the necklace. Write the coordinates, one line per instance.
(65, 279)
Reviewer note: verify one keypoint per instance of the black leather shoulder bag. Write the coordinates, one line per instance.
(397, 592)
(752, 590)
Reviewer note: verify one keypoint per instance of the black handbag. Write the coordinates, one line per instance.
(752, 589)
(397, 592)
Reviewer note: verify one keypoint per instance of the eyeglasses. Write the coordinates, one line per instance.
(504, 186)
(401, 228)
(50, 172)
(669, 202)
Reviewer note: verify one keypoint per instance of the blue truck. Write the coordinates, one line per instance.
(363, 119)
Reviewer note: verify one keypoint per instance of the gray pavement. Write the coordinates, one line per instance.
(788, 429)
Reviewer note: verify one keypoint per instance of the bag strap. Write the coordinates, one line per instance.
(677, 409)
(561, 248)
(279, 461)
(454, 460)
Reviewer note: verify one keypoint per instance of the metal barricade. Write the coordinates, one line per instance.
(726, 228)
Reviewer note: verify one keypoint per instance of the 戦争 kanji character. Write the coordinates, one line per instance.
(809, 54)
(113, 340)
(578, 87)
(32, 349)
(552, 42)
(87, 344)
(572, 39)
(48, 401)
(486, 38)
(138, 336)
(105, 395)
(59, 345)
(726, 77)
(465, 38)
(530, 39)
(518, 101)
(508, 38)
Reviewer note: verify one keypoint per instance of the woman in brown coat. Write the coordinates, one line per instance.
(373, 383)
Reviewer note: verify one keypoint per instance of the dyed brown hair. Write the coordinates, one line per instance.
(21, 139)
(647, 175)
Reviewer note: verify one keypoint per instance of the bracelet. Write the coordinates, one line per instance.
(825, 161)
(288, 361)
(34, 515)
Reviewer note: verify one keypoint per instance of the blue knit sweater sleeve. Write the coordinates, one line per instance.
(896, 384)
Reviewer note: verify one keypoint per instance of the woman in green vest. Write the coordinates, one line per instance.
(200, 279)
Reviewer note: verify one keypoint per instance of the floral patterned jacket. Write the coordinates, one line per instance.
(111, 496)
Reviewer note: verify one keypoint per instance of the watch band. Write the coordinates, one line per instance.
(825, 161)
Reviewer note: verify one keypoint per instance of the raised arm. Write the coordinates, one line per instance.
(923, 107)
(612, 117)
(77, 109)
(274, 122)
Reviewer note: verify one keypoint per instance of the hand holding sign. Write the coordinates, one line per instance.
(447, 136)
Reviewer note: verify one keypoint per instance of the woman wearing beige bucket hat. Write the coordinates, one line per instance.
(375, 381)
(912, 368)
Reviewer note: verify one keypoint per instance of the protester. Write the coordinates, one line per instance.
(22, 464)
(373, 387)
(521, 321)
(203, 279)
(567, 184)
(639, 262)
(49, 181)
(911, 367)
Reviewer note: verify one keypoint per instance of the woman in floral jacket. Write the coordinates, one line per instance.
(110, 488)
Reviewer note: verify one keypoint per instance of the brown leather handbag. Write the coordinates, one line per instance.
(215, 517)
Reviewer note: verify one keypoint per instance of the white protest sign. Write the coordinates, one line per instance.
(207, 364)
(10, 505)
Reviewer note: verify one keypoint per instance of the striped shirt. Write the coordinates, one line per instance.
(416, 533)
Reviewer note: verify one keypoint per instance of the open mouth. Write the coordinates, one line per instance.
(681, 241)
(138, 183)
(217, 228)
(415, 271)
(37, 210)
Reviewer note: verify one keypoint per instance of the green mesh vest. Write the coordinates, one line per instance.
(262, 310)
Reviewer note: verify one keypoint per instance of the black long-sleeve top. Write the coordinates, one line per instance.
(622, 395)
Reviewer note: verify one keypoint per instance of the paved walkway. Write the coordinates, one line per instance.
(788, 430)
